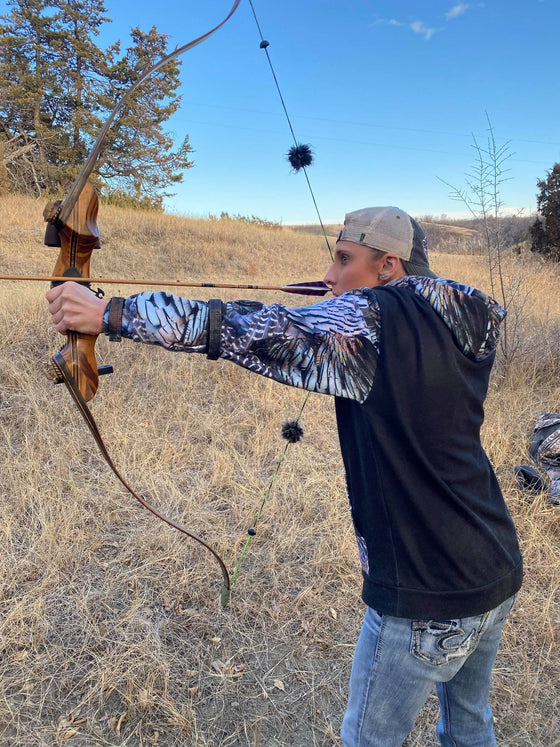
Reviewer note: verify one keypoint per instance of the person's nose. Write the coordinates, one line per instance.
(329, 277)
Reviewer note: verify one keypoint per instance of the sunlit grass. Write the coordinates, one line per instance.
(110, 626)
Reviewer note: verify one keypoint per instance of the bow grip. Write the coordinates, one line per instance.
(77, 238)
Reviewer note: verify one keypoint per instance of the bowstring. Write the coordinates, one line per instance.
(264, 46)
(251, 532)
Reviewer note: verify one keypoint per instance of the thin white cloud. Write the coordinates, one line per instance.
(419, 27)
(388, 22)
(457, 10)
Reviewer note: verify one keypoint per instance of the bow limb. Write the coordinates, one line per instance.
(92, 425)
(75, 212)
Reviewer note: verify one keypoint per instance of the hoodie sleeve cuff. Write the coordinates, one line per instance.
(112, 319)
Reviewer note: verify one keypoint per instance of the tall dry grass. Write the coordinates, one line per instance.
(110, 627)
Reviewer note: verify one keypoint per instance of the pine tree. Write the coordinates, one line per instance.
(82, 83)
(139, 160)
(28, 69)
(57, 87)
(545, 231)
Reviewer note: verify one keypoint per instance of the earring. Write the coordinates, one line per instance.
(382, 277)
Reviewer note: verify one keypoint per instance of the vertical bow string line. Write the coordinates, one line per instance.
(300, 157)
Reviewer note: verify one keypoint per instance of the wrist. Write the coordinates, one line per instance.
(112, 319)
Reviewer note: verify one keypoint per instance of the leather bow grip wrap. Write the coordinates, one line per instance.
(78, 237)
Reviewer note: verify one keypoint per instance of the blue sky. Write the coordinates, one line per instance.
(389, 95)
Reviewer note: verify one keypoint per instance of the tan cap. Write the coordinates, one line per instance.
(390, 230)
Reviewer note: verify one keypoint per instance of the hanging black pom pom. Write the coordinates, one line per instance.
(292, 431)
(300, 156)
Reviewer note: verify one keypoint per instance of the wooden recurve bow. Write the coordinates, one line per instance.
(72, 225)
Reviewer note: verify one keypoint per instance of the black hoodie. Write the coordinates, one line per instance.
(436, 538)
(408, 364)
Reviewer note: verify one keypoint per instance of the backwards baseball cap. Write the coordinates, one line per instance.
(390, 229)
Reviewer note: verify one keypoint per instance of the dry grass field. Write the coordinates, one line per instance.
(111, 632)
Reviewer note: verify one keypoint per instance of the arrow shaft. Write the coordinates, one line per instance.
(302, 288)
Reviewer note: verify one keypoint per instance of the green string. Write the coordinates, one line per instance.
(252, 531)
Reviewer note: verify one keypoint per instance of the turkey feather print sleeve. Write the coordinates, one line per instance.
(330, 347)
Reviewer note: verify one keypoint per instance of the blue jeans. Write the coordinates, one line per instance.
(397, 662)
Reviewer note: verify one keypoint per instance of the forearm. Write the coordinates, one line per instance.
(163, 319)
(326, 348)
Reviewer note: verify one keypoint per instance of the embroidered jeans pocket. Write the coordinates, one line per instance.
(438, 642)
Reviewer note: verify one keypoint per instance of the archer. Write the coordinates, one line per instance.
(407, 357)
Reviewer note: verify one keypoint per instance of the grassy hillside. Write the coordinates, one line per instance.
(111, 631)
(457, 236)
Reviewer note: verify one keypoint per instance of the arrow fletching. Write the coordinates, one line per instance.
(311, 288)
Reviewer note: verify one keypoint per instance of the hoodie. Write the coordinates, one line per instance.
(408, 364)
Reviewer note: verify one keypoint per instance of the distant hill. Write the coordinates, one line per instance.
(332, 231)
(464, 236)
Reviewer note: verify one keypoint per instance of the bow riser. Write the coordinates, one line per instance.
(78, 238)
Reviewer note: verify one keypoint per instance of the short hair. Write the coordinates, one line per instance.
(376, 253)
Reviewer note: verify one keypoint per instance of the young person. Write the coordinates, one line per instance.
(407, 356)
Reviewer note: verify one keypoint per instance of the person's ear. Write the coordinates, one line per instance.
(391, 268)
